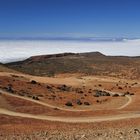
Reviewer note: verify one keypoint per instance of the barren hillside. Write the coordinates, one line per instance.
(93, 63)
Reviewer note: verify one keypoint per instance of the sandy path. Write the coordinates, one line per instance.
(71, 81)
(129, 102)
(60, 108)
(127, 96)
(64, 119)
(41, 103)
(70, 119)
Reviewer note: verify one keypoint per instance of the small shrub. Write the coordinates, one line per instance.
(97, 101)
(35, 98)
(79, 102)
(49, 87)
(86, 103)
(33, 82)
(82, 97)
(56, 108)
(127, 93)
(9, 89)
(96, 95)
(115, 95)
(69, 103)
(64, 88)
(119, 87)
(81, 92)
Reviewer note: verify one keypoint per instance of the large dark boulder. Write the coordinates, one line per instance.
(64, 88)
(101, 93)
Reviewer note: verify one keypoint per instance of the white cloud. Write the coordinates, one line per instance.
(19, 50)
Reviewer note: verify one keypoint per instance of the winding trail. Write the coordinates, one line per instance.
(70, 119)
(61, 108)
(39, 79)
(127, 96)
(67, 119)
(42, 103)
(129, 101)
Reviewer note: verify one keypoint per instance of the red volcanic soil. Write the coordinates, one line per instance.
(57, 95)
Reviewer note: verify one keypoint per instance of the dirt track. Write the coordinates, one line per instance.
(62, 108)
(67, 119)
(70, 119)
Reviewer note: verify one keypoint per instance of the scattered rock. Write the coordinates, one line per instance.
(132, 94)
(115, 95)
(120, 88)
(49, 87)
(69, 103)
(79, 102)
(9, 89)
(86, 103)
(64, 88)
(101, 93)
(136, 131)
(35, 98)
(33, 82)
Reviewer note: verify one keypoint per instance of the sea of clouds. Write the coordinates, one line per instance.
(15, 50)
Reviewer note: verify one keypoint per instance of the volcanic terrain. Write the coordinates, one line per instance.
(70, 96)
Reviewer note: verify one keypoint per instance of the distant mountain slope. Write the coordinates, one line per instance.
(93, 63)
(3, 68)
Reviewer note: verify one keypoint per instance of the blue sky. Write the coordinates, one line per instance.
(91, 18)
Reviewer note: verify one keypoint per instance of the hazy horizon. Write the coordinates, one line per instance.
(15, 50)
